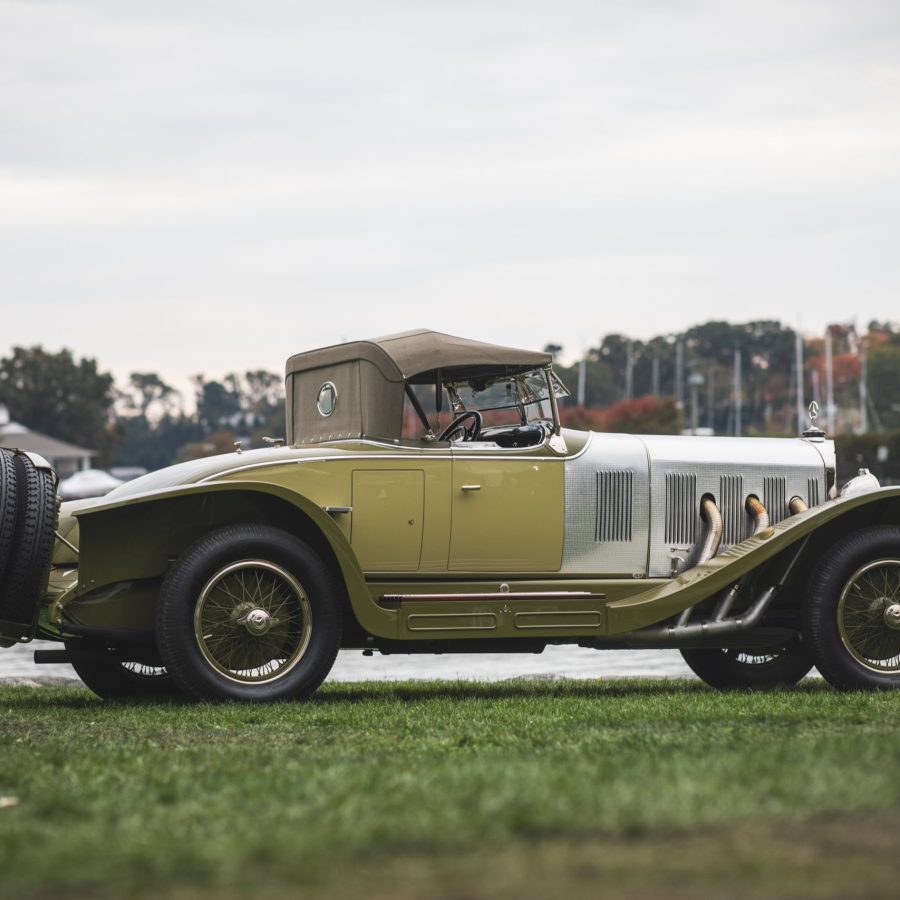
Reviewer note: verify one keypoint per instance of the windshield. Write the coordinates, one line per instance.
(501, 400)
(507, 400)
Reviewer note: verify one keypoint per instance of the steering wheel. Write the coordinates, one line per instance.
(470, 433)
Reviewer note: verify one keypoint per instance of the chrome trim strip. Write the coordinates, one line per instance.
(353, 457)
(502, 595)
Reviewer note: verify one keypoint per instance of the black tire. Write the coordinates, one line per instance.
(223, 637)
(7, 510)
(733, 669)
(849, 603)
(28, 566)
(113, 679)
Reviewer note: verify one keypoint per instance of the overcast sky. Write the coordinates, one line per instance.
(208, 186)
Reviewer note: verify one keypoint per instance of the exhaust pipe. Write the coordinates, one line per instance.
(674, 634)
(758, 513)
(720, 624)
(797, 505)
(710, 514)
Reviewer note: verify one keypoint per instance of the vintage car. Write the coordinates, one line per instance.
(429, 502)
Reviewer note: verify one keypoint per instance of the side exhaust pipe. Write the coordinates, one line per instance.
(720, 623)
(758, 514)
(675, 634)
(797, 505)
(710, 514)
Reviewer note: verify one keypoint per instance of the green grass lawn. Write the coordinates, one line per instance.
(464, 790)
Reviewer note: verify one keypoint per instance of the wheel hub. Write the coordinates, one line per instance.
(892, 616)
(257, 622)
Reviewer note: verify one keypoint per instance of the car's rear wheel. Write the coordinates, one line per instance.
(114, 679)
(754, 669)
(852, 611)
(249, 612)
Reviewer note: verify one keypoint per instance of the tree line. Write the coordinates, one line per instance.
(765, 351)
(628, 385)
(144, 422)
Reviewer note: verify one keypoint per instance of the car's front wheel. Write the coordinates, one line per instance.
(249, 612)
(852, 611)
(732, 669)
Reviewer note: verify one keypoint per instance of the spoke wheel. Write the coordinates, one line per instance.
(868, 615)
(733, 668)
(852, 610)
(249, 612)
(253, 621)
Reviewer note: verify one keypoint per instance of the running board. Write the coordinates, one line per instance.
(500, 595)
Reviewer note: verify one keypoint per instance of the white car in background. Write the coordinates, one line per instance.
(88, 483)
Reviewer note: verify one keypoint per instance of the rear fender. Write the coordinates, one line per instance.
(137, 538)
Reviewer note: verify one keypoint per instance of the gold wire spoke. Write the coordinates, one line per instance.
(223, 646)
(288, 614)
(230, 650)
(263, 580)
(859, 625)
(279, 594)
(222, 601)
(862, 597)
(267, 591)
(891, 587)
(232, 589)
(218, 613)
(255, 592)
(280, 643)
(219, 629)
(297, 605)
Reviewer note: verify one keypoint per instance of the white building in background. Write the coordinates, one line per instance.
(65, 458)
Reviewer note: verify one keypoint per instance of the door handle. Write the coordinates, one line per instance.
(471, 487)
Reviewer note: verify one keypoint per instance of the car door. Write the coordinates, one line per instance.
(507, 510)
(401, 512)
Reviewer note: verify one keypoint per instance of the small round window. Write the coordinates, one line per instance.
(327, 399)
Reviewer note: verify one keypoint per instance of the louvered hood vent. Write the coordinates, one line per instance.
(681, 508)
(731, 505)
(615, 499)
(775, 497)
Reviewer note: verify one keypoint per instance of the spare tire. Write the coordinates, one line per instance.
(31, 549)
(7, 508)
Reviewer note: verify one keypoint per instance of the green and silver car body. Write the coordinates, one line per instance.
(504, 536)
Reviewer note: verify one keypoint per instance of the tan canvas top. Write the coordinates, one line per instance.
(414, 353)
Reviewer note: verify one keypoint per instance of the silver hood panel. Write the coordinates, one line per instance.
(633, 502)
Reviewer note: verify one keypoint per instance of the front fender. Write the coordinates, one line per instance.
(663, 601)
(139, 537)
